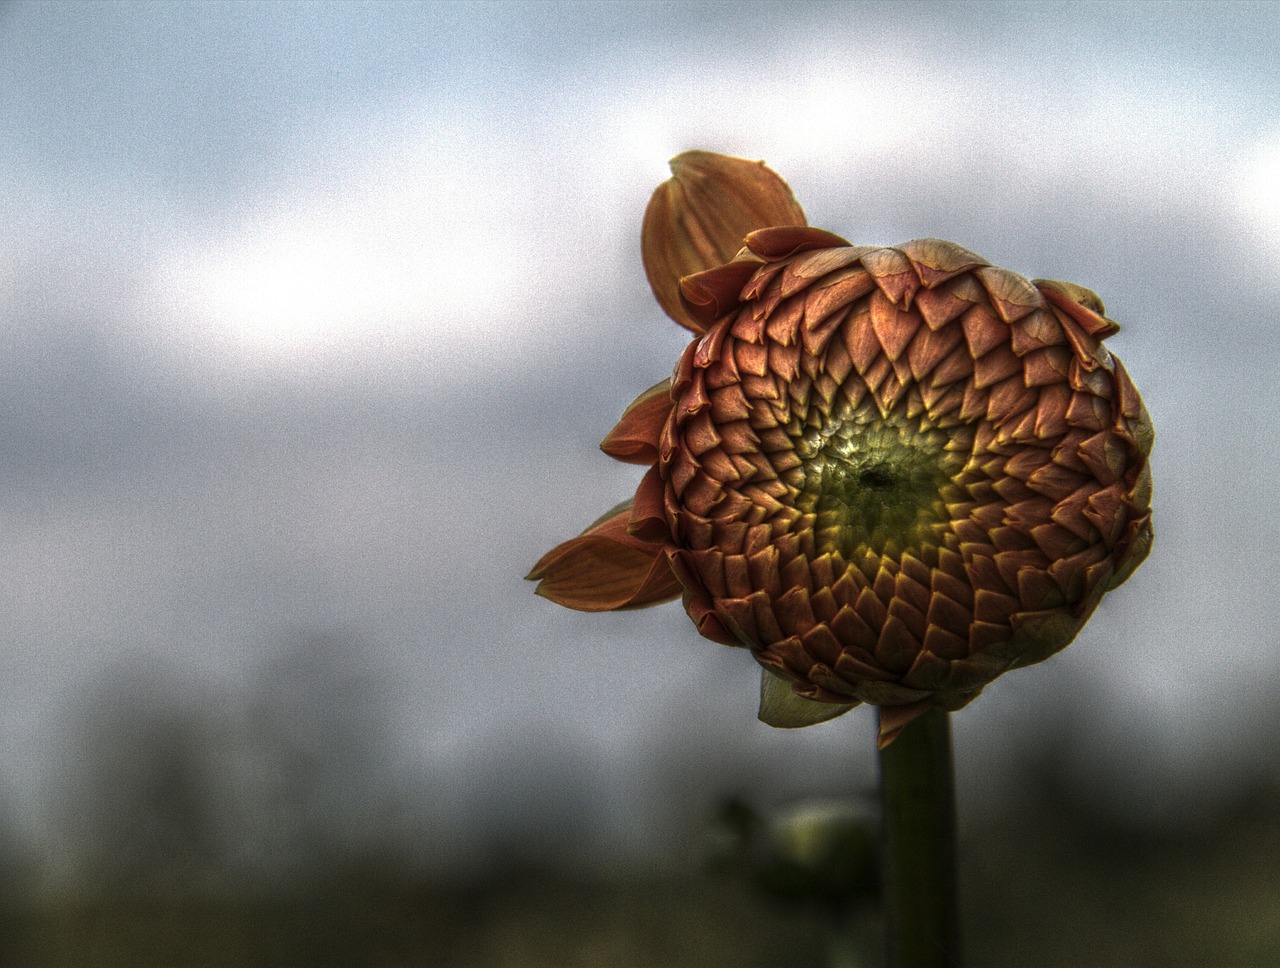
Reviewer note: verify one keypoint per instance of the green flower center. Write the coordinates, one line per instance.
(877, 484)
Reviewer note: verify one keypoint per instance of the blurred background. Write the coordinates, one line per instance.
(312, 317)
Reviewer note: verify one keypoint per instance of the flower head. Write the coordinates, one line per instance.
(892, 473)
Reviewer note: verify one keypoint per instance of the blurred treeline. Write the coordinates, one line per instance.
(275, 829)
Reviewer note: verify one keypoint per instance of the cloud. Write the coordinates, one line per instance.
(404, 229)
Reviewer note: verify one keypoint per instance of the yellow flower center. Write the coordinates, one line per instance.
(876, 484)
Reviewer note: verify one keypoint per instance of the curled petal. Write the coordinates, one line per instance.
(605, 569)
(635, 439)
(697, 603)
(698, 218)
(782, 242)
(709, 295)
(1077, 293)
(648, 520)
(1081, 304)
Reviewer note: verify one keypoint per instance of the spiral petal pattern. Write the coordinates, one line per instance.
(892, 473)
(895, 473)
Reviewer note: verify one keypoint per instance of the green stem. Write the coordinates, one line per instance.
(918, 794)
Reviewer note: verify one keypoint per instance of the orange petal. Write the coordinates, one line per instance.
(709, 295)
(698, 218)
(635, 439)
(605, 569)
(1081, 304)
(781, 242)
(699, 608)
(648, 521)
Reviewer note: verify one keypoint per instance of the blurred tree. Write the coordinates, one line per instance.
(316, 786)
(139, 797)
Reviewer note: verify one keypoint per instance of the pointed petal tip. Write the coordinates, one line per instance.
(1083, 305)
(774, 243)
(885, 739)
(691, 158)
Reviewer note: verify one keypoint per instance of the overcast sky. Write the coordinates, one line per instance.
(312, 318)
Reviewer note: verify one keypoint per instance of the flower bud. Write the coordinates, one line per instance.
(891, 473)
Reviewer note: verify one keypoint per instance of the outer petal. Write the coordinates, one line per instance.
(1139, 546)
(605, 569)
(635, 439)
(698, 219)
(1081, 304)
(706, 296)
(780, 242)
(648, 520)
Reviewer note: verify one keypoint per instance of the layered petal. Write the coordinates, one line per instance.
(895, 473)
(605, 569)
(699, 217)
(635, 439)
(892, 473)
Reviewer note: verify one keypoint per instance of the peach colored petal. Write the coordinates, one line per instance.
(783, 241)
(648, 521)
(1081, 304)
(707, 296)
(605, 569)
(635, 439)
(698, 218)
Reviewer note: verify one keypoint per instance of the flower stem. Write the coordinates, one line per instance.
(918, 793)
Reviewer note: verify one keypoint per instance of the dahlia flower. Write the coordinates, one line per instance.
(891, 473)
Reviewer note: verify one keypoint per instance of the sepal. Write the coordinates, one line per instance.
(782, 708)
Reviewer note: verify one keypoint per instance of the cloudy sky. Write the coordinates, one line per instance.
(313, 317)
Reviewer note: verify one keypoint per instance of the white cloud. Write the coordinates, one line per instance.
(1257, 184)
(415, 244)
(418, 228)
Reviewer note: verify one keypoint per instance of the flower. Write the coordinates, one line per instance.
(891, 473)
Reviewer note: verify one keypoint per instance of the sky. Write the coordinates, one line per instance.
(312, 317)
